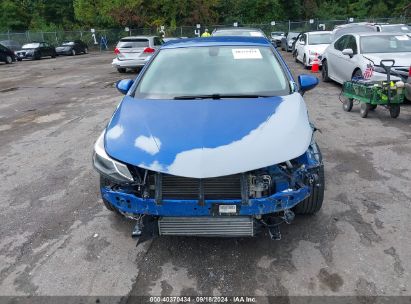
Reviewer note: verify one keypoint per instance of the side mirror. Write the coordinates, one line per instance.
(307, 82)
(124, 85)
(348, 52)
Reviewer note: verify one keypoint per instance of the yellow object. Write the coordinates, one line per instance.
(205, 34)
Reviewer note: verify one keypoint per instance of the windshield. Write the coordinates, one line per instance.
(132, 43)
(253, 33)
(385, 44)
(30, 46)
(67, 43)
(397, 28)
(319, 39)
(215, 70)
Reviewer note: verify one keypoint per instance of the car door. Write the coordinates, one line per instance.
(45, 49)
(300, 45)
(349, 64)
(334, 61)
(2, 53)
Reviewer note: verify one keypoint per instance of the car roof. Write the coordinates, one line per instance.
(139, 37)
(217, 41)
(377, 34)
(318, 32)
(237, 28)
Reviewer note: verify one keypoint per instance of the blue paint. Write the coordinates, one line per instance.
(307, 82)
(124, 85)
(132, 204)
(179, 125)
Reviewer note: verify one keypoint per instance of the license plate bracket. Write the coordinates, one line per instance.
(225, 209)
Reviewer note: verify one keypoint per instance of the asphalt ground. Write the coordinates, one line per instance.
(57, 239)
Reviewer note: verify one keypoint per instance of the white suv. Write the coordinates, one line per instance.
(132, 52)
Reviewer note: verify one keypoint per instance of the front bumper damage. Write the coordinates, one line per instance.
(201, 217)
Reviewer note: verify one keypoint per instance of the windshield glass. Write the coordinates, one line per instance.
(129, 43)
(30, 46)
(215, 70)
(292, 35)
(398, 28)
(385, 44)
(67, 43)
(319, 39)
(253, 33)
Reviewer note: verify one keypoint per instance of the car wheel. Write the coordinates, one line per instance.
(86, 51)
(364, 109)
(9, 59)
(324, 72)
(357, 74)
(314, 202)
(295, 56)
(121, 70)
(305, 62)
(347, 104)
(104, 182)
(54, 55)
(73, 52)
(394, 111)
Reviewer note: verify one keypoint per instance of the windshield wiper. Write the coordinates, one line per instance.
(219, 96)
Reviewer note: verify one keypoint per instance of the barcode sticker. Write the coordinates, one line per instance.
(246, 54)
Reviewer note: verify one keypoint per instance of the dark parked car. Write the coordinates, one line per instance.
(36, 50)
(6, 55)
(72, 48)
(11, 45)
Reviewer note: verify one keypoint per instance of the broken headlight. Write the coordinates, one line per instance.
(104, 164)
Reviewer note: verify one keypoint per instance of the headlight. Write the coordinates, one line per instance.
(108, 166)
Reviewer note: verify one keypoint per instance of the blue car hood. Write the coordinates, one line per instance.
(208, 138)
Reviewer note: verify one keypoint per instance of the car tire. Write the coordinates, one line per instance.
(73, 52)
(394, 111)
(364, 109)
(9, 60)
(295, 56)
(305, 62)
(104, 182)
(356, 74)
(314, 202)
(85, 50)
(54, 55)
(347, 104)
(121, 70)
(324, 72)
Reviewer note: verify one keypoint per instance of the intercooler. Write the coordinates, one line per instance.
(219, 226)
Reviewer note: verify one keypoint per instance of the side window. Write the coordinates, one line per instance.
(340, 43)
(352, 44)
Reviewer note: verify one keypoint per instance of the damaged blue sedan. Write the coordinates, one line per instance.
(211, 139)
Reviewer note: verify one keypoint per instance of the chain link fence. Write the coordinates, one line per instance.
(106, 39)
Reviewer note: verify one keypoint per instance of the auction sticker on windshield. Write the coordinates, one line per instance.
(246, 54)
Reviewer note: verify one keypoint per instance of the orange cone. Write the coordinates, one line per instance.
(315, 66)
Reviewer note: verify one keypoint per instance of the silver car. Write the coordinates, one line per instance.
(352, 54)
(132, 52)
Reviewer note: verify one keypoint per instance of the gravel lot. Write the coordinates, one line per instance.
(57, 239)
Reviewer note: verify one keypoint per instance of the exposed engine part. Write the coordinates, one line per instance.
(259, 185)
